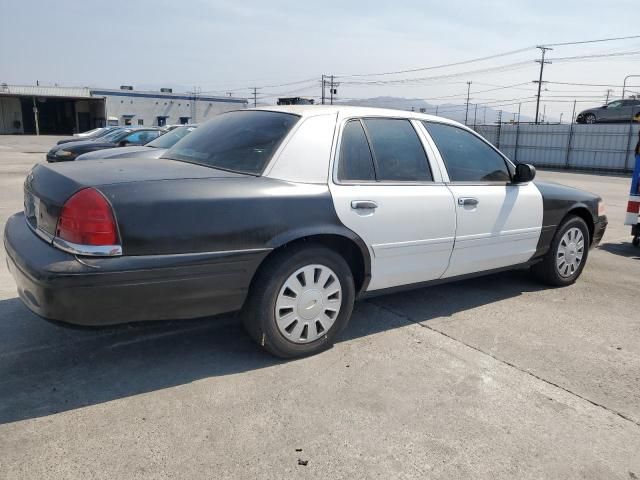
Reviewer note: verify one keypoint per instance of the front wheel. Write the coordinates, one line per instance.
(590, 118)
(301, 298)
(566, 258)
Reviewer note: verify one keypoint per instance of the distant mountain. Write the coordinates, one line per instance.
(448, 110)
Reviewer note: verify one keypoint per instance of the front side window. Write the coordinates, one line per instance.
(467, 157)
(356, 162)
(240, 141)
(616, 104)
(397, 150)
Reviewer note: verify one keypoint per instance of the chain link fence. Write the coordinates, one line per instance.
(599, 147)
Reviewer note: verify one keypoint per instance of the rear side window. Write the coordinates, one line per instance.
(397, 150)
(467, 157)
(356, 162)
(241, 141)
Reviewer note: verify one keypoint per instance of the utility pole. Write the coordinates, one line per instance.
(544, 112)
(466, 112)
(542, 62)
(484, 116)
(436, 110)
(475, 114)
(322, 89)
(331, 90)
(255, 96)
(35, 116)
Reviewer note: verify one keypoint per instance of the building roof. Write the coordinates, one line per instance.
(86, 92)
(162, 95)
(45, 91)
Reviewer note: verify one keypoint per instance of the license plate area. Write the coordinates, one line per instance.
(31, 208)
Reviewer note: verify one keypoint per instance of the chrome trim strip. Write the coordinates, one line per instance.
(46, 236)
(88, 250)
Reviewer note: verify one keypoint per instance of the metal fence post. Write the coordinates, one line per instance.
(627, 163)
(573, 115)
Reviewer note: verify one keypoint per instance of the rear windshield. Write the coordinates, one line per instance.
(170, 138)
(116, 135)
(240, 141)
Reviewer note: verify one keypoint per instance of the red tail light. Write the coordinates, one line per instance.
(87, 219)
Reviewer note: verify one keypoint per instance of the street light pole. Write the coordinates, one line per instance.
(624, 84)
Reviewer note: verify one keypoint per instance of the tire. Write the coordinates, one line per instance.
(551, 270)
(590, 118)
(276, 316)
(636, 241)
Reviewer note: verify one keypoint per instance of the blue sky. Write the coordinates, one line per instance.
(231, 45)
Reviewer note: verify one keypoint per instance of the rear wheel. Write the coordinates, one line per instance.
(300, 300)
(590, 118)
(565, 260)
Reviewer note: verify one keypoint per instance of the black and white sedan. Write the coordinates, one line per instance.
(289, 214)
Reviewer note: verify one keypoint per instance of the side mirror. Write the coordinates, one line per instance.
(524, 173)
(123, 143)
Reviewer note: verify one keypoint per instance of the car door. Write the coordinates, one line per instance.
(498, 222)
(628, 111)
(387, 190)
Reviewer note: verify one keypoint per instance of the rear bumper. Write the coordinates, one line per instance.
(102, 291)
(599, 228)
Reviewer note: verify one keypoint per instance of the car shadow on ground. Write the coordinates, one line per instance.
(624, 249)
(47, 368)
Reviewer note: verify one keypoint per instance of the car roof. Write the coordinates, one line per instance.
(348, 110)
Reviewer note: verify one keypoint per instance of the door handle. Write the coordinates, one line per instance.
(468, 201)
(363, 204)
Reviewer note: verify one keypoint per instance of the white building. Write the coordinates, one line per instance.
(65, 110)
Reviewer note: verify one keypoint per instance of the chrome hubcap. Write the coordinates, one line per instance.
(308, 303)
(570, 252)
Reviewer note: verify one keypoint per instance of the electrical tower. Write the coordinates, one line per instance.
(255, 96)
(542, 62)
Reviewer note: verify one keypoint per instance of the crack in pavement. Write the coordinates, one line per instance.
(505, 362)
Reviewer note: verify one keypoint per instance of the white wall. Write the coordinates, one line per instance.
(10, 112)
(148, 109)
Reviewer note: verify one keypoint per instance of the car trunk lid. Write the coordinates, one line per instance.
(48, 187)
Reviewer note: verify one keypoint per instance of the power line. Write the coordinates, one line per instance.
(499, 68)
(590, 41)
(600, 55)
(455, 64)
(585, 84)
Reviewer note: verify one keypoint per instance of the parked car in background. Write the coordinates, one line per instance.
(168, 128)
(289, 214)
(119, 138)
(620, 111)
(88, 133)
(95, 133)
(153, 149)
